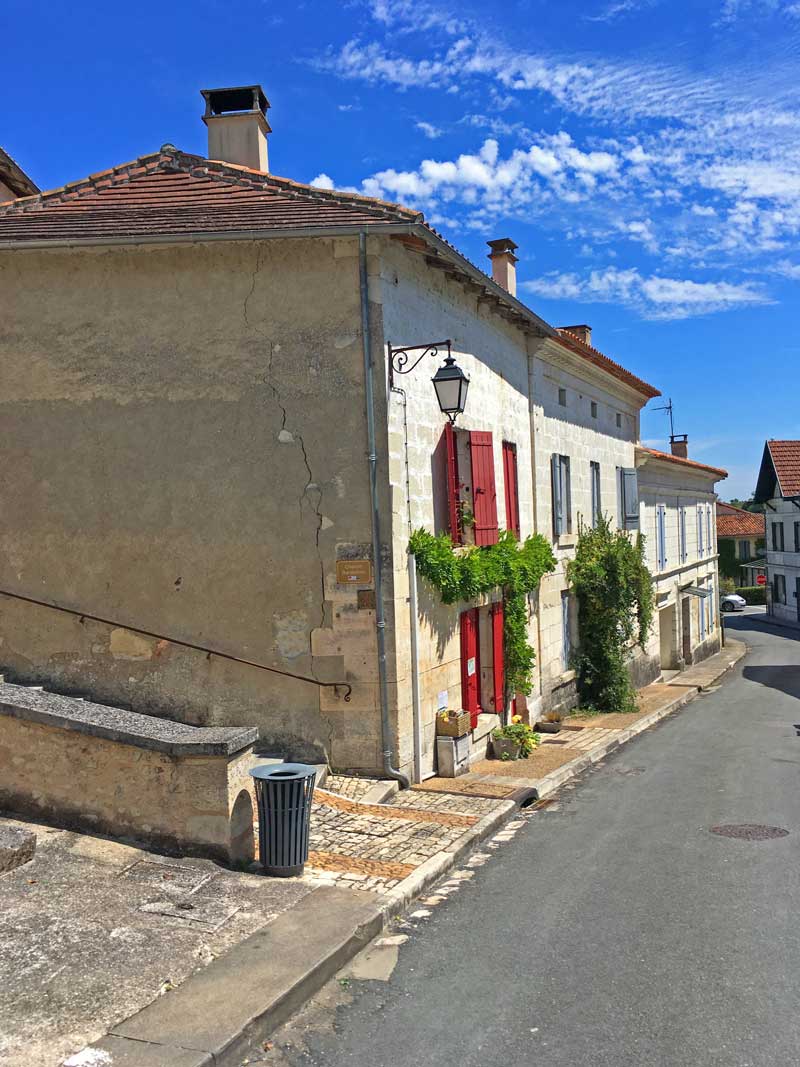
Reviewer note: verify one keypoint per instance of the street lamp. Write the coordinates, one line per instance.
(450, 382)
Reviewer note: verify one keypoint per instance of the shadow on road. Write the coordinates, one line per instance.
(755, 624)
(782, 676)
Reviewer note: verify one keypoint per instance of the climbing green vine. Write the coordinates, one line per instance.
(465, 573)
(615, 598)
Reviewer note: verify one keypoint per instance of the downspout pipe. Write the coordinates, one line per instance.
(380, 615)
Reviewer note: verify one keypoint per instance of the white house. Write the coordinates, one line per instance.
(778, 489)
(677, 500)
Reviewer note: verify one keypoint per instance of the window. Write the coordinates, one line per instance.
(593, 409)
(619, 421)
(797, 537)
(471, 491)
(562, 397)
(779, 588)
(682, 547)
(511, 487)
(562, 495)
(709, 535)
(744, 548)
(594, 476)
(777, 537)
(661, 536)
(627, 498)
(700, 548)
(566, 639)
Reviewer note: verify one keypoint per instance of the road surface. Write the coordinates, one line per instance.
(615, 929)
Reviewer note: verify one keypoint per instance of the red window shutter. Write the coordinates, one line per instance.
(498, 659)
(470, 665)
(511, 487)
(484, 494)
(452, 485)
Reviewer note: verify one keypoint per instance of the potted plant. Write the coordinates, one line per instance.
(513, 740)
(550, 724)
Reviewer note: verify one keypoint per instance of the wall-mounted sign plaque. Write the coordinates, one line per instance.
(353, 572)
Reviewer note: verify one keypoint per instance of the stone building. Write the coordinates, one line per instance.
(214, 455)
(740, 539)
(778, 489)
(677, 501)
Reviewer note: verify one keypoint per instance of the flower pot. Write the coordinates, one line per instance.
(505, 748)
(547, 727)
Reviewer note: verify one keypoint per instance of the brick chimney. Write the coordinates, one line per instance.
(583, 332)
(504, 270)
(237, 126)
(679, 445)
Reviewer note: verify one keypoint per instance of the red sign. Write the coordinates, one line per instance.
(761, 579)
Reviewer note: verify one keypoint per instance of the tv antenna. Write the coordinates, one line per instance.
(668, 407)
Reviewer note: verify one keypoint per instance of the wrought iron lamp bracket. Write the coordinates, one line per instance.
(399, 358)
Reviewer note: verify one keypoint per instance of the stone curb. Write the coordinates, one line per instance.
(207, 1021)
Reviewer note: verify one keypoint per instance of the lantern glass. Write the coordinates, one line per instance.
(451, 386)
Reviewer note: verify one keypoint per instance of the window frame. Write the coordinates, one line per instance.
(661, 536)
(776, 526)
(561, 494)
(596, 491)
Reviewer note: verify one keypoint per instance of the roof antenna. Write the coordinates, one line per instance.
(668, 407)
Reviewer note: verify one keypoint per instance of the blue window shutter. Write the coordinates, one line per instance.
(558, 506)
(566, 493)
(630, 498)
(699, 531)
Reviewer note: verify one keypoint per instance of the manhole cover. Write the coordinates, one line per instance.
(749, 831)
(168, 875)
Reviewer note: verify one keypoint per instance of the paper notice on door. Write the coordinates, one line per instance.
(441, 701)
(470, 666)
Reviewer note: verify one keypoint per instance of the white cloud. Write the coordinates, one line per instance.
(430, 131)
(653, 297)
(323, 181)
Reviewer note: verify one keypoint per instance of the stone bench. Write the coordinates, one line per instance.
(180, 788)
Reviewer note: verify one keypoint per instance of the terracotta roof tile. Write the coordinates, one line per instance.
(172, 193)
(668, 456)
(595, 356)
(786, 461)
(736, 522)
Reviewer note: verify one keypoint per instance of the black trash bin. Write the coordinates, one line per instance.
(283, 794)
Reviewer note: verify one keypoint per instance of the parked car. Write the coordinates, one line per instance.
(732, 602)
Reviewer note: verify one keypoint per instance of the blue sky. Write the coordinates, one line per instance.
(644, 154)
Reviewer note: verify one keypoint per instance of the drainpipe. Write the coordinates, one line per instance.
(380, 617)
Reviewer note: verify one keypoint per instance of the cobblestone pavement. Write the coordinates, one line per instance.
(376, 846)
(347, 785)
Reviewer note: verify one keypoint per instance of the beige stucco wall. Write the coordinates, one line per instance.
(676, 486)
(185, 804)
(184, 451)
(420, 305)
(571, 430)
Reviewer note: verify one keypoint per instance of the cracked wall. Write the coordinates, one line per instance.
(185, 452)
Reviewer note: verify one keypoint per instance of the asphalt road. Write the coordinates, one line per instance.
(615, 928)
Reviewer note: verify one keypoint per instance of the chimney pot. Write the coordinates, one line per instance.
(237, 125)
(582, 332)
(504, 270)
(679, 444)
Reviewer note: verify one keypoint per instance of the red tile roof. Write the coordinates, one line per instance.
(786, 461)
(593, 355)
(736, 522)
(172, 193)
(668, 456)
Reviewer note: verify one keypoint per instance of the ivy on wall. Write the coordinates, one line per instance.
(466, 573)
(616, 603)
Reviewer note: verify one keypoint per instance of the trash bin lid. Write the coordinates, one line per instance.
(283, 772)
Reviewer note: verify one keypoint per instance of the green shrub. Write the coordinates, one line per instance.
(615, 611)
(753, 594)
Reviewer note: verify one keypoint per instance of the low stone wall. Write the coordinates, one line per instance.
(180, 788)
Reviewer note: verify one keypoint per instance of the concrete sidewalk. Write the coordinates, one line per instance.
(369, 860)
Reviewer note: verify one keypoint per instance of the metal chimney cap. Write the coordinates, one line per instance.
(240, 98)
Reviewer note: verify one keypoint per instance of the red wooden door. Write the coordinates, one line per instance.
(483, 487)
(498, 661)
(511, 487)
(470, 665)
(452, 485)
